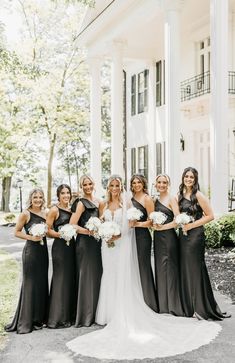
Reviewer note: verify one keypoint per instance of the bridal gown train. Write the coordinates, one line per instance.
(133, 330)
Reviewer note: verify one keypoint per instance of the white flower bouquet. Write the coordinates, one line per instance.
(67, 232)
(158, 217)
(107, 230)
(39, 230)
(93, 225)
(182, 219)
(133, 214)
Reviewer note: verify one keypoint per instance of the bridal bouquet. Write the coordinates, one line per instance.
(67, 232)
(182, 219)
(93, 225)
(133, 214)
(39, 230)
(107, 230)
(158, 217)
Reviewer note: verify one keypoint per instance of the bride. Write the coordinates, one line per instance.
(133, 330)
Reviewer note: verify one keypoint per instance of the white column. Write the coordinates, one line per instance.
(219, 105)
(172, 76)
(117, 110)
(151, 124)
(95, 123)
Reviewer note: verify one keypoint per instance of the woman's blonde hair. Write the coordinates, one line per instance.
(164, 176)
(82, 178)
(108, 194)
(30, 198)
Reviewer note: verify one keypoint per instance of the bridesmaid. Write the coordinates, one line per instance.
(31, 312)
(142, 201)
(166, 251)
(197, 296)
(62, 292)
(88, 255)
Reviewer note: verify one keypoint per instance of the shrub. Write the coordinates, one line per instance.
(227, 229)
(213, 234)
(9, 217)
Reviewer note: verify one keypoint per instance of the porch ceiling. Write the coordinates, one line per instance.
(139, 24)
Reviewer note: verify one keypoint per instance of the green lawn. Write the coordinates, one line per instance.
(9, 279)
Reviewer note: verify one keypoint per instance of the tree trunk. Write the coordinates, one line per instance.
(49, 169)
(68, 165)
(6, 192)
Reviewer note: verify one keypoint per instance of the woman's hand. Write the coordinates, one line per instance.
(133, 223)
(111, 241)
(36, 238)
(159, 227)
(187, 227)
(114, 238)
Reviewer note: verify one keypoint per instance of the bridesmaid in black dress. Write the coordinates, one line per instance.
(197, 295)
(142, 201)
(166, 251)
(31, 312)
(62, 292)
(87, 254)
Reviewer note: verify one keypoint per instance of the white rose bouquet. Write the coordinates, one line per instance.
(93, 225)
(133, 214)
(107, 230)
(158, 217)
(67, 232)
(182, 219)
(39, 230)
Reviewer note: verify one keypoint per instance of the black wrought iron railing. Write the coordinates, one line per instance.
(231, 83)
(200, 85)
(195, 86)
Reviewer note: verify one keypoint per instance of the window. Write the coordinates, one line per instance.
(160, 158)
(203, 55)
(143, 91)
(160, 83)
(133, 161)
(133, 95)
(143, 160)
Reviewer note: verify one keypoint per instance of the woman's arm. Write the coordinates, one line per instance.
(22, 220)
(173, 205)
(75, 218)
(149, 206)
(51, 217)
(207, 213)
(101, 208)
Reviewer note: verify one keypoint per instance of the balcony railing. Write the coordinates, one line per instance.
(200, 85)
(195, 86)
(231, 83)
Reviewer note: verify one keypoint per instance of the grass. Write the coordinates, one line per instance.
(9, 278)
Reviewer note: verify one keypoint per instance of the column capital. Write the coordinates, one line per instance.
(117, 46)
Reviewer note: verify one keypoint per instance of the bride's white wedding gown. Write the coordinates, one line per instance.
(133, 330)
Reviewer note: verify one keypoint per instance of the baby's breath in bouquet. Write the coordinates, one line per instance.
(182, 219)
(67, 232)
(107, 230)
(93, 225)
(39, 230)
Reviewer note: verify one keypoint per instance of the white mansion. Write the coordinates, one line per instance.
(172, 89)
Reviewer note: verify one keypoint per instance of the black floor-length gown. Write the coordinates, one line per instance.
(197, 294)
(63, 288)
(32, 309)
(144, 246)
(88, 269)
(166, 261)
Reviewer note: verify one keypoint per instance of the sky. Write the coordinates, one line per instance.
(12, 25)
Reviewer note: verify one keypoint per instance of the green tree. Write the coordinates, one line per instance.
(60, 96)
